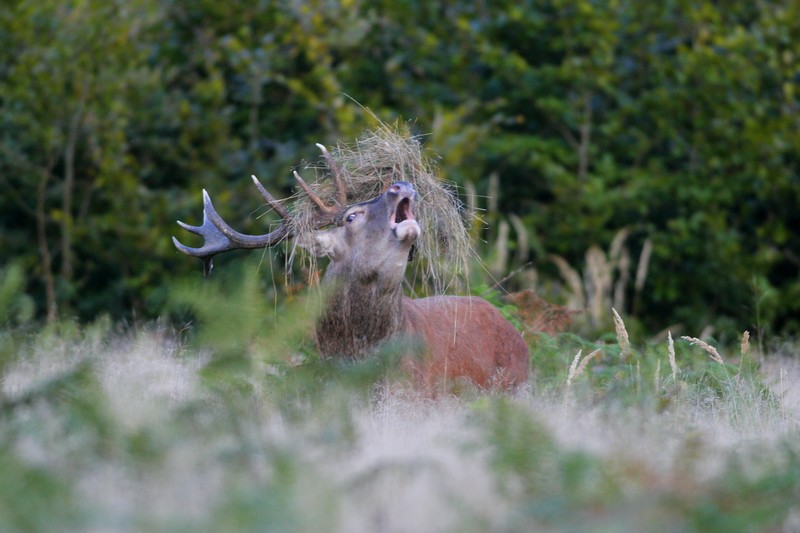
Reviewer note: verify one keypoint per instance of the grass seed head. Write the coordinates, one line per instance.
(671, 355)
(622, 333)
(573, 367)
(745, 343)
(576, 369)
(585, 362)
(710, 350)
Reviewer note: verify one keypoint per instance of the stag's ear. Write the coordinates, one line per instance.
(324, 242)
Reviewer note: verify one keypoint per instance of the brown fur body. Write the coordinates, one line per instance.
(466, 338)
(462, 338)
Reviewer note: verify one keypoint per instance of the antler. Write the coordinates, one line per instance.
(220, 237)
(328, 213)
(341, 191)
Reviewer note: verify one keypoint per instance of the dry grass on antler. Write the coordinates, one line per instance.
(380, 157)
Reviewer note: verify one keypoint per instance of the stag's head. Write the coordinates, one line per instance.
(372, 240)
(365, 241)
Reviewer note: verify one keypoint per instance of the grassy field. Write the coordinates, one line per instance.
(228, 426)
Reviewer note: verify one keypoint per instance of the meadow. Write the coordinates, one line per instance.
(231, 423)
(641, 156)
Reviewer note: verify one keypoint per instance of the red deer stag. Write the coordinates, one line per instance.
(368, 245)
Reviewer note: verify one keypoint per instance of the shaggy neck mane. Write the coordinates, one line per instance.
(361, 314)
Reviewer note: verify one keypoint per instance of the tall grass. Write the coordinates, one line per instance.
(233, 424)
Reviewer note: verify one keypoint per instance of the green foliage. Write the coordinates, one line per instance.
(16, 307)
(675, 120)
(16, 311)
(32, 498)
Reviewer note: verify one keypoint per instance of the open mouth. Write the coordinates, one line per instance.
(403, 211)
(404, 225)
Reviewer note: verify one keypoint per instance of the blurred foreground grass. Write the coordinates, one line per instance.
(234, 424)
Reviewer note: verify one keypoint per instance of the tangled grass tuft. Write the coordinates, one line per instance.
(380, 157)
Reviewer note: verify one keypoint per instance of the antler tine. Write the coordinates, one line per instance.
(326, 209)
(273, 203)
(341, 192)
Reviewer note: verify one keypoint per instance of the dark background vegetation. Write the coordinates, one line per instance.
(678, 120)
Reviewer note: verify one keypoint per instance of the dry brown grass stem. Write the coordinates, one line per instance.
(523, 246)
(476, 223)
(576, 369)
(623, 268)
(573, 279)
(603, 281)
(745, 343)
(671, 355)
(710, 350)
(380, 157)
(622, 334)
(644, 263)
(599, 279)
(500, 261)
(617, 247)
(493, 194)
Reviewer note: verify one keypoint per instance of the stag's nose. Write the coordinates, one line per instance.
(402, 188)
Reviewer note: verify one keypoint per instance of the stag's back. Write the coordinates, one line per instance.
(465, 337)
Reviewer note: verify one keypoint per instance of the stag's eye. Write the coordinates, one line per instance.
(351, 217)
